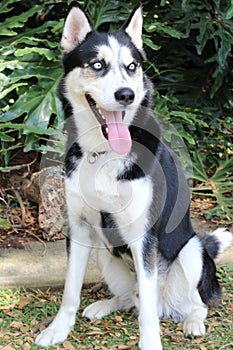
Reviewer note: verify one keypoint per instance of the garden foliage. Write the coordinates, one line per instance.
(189, 49)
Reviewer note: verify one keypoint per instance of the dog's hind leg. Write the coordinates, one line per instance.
(80, 246)
(193, 325)
(181, 299)
(121, 283)
(191, 262)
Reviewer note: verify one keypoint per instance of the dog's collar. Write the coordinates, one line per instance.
(92, 157)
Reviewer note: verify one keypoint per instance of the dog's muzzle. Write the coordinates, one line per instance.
(111, 122)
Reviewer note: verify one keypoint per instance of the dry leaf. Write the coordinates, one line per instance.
(24, 328)
(26, 346)
(118, 318)
(122, 346)
(16, 324)
(117, 334)
(125, 331)
(95, 320)
(82, 336)
(213, 324)
(23, 302)
(106, 323)
(199, 340)
(179, 327)
(8, 347)
(132, 337)
(95, 333)
(9, 313)
(68, 346)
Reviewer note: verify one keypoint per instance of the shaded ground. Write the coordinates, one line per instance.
(24, 313)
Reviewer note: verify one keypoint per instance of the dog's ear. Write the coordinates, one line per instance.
(75, 28)
(133, 27)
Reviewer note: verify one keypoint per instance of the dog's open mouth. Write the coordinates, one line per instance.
(112, 126)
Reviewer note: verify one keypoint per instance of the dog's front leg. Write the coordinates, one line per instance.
(147, 288)
(80, 246)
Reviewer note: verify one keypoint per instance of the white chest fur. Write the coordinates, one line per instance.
(94, 187)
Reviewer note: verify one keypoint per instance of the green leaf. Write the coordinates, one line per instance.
(164, 28)
(39, 102)
(47, 53)
(6, 28)
(4, 223)
(25, 127)
(206, 29)
(185, 3)
(11, 88)
(28, 32)
(229, 14)
(187, 137)
(46, 71)
(5, 5)
(224, 170)
(150, 43)
(6, 138)
(198, 167)
(34, 41)
(107, 11)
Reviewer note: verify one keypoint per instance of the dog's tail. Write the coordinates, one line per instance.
(216, 242)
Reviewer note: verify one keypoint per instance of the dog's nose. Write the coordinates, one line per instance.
(124, 96)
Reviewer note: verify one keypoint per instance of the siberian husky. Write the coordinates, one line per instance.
(126, 193)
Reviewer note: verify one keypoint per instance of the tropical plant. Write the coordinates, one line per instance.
(217, 187)
(30, 73)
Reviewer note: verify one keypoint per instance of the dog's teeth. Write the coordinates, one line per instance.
(101, 113)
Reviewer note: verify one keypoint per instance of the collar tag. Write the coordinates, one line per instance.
(92, 157)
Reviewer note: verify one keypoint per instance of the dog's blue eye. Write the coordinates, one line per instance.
(132, 67)
(97, 65)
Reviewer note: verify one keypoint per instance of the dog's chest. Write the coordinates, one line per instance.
(98, 181)
(94, 188)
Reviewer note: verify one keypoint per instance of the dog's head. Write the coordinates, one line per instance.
(106, 73)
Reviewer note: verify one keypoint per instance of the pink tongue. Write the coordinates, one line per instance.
(119, 138)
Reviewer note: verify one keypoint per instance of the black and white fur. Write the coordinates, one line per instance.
(132, 206)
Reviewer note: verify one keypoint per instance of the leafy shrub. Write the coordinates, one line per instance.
(189, 49)
(30, 73)
(196, 91)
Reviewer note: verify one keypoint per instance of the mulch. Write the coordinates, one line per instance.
(20, 212)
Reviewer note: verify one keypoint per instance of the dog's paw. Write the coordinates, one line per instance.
(193, 327)
(100, 309)
(51, 336)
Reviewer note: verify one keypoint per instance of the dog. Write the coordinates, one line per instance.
(126, 193)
